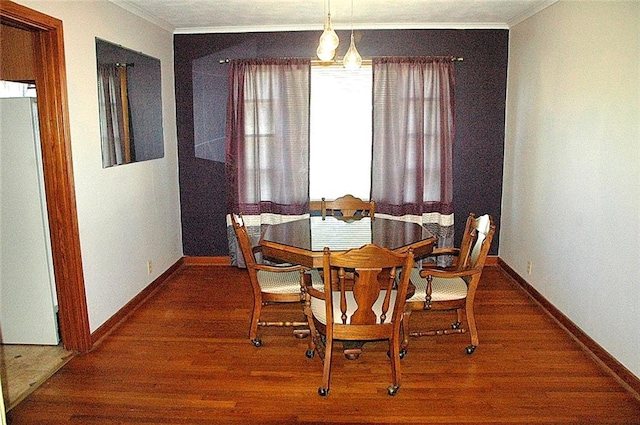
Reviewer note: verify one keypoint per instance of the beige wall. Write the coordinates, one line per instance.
(571, 200)
(129, 214)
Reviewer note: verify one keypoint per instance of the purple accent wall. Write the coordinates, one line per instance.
(480, 109)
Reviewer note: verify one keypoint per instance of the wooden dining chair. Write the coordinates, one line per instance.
(369, 307)
(452, 288)
(271, 284)
(348, 206)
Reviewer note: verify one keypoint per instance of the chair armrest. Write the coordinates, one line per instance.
(309, 288)
(450, 273)
(280, 269)
(455, 252)
(445, 251)
(313, 292)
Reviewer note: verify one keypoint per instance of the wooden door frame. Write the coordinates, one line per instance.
(53, 113)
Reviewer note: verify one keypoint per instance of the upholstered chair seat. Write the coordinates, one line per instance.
(443, 289)
(319, 309)
(279, 283)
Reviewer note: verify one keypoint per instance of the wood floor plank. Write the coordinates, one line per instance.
(184, 357)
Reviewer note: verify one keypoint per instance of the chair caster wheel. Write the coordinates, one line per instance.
(393, 390)
(256, 342)
(309, 354)
(402, 353)
(323, 392)
(471, 349)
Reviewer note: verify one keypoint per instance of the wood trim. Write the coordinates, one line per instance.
(15, 64)
(315, 205)
(207, 261)
(623, 375)
(58, 173)
(492, 260)
(121, 315)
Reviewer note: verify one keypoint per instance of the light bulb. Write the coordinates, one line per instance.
(325, 54)
(329, 38)
(352, 59)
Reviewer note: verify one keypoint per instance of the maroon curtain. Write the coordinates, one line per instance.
(413, 133)
(267, 136)
(267, 144)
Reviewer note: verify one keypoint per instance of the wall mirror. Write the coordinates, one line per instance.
(130, 102)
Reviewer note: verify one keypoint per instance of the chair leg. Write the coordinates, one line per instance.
(461, 316)
(471, 320)
(394, 348)
(255, 318)
(326, 372)
(303, 331)
(313, 332)
(405, 330)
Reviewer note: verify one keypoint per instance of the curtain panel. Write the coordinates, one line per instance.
(115, 130)
(267, 143)
(413, 133)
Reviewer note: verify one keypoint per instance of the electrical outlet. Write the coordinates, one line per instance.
(529, 266)
(149, 267)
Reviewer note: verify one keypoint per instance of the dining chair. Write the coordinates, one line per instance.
(452, 288)
(271, 284)
(369, 307)
(348, 206)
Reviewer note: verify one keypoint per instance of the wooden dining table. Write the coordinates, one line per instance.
(303, 241)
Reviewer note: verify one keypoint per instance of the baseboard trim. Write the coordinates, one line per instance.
(623, 375)
(207, 261)
(114, 321)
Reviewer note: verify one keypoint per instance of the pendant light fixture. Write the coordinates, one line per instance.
(352, 59)
(328, 40)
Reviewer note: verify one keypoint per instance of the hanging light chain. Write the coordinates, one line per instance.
(352, 59)
(328, 40)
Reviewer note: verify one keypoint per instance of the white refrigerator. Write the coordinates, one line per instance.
(28, 303)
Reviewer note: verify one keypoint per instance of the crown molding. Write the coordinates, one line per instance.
(530, 12)
(124, 4)
(390, 26)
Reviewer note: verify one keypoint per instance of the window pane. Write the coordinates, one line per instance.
(340, 132)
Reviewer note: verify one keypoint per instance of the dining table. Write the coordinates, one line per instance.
(303, 241)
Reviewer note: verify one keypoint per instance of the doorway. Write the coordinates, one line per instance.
(47, 51)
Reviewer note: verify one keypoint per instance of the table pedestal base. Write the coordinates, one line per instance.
(352, 349)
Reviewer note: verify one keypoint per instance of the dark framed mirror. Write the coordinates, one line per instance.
(130, 102)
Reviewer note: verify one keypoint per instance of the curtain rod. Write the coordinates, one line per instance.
(335, 62)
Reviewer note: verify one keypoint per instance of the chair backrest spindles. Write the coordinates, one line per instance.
(367, 265)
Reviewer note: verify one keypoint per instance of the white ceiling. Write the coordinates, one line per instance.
(200, 16)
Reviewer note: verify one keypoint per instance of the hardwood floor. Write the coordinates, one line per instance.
(184, 358)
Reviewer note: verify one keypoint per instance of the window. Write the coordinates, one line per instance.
(340, 132)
